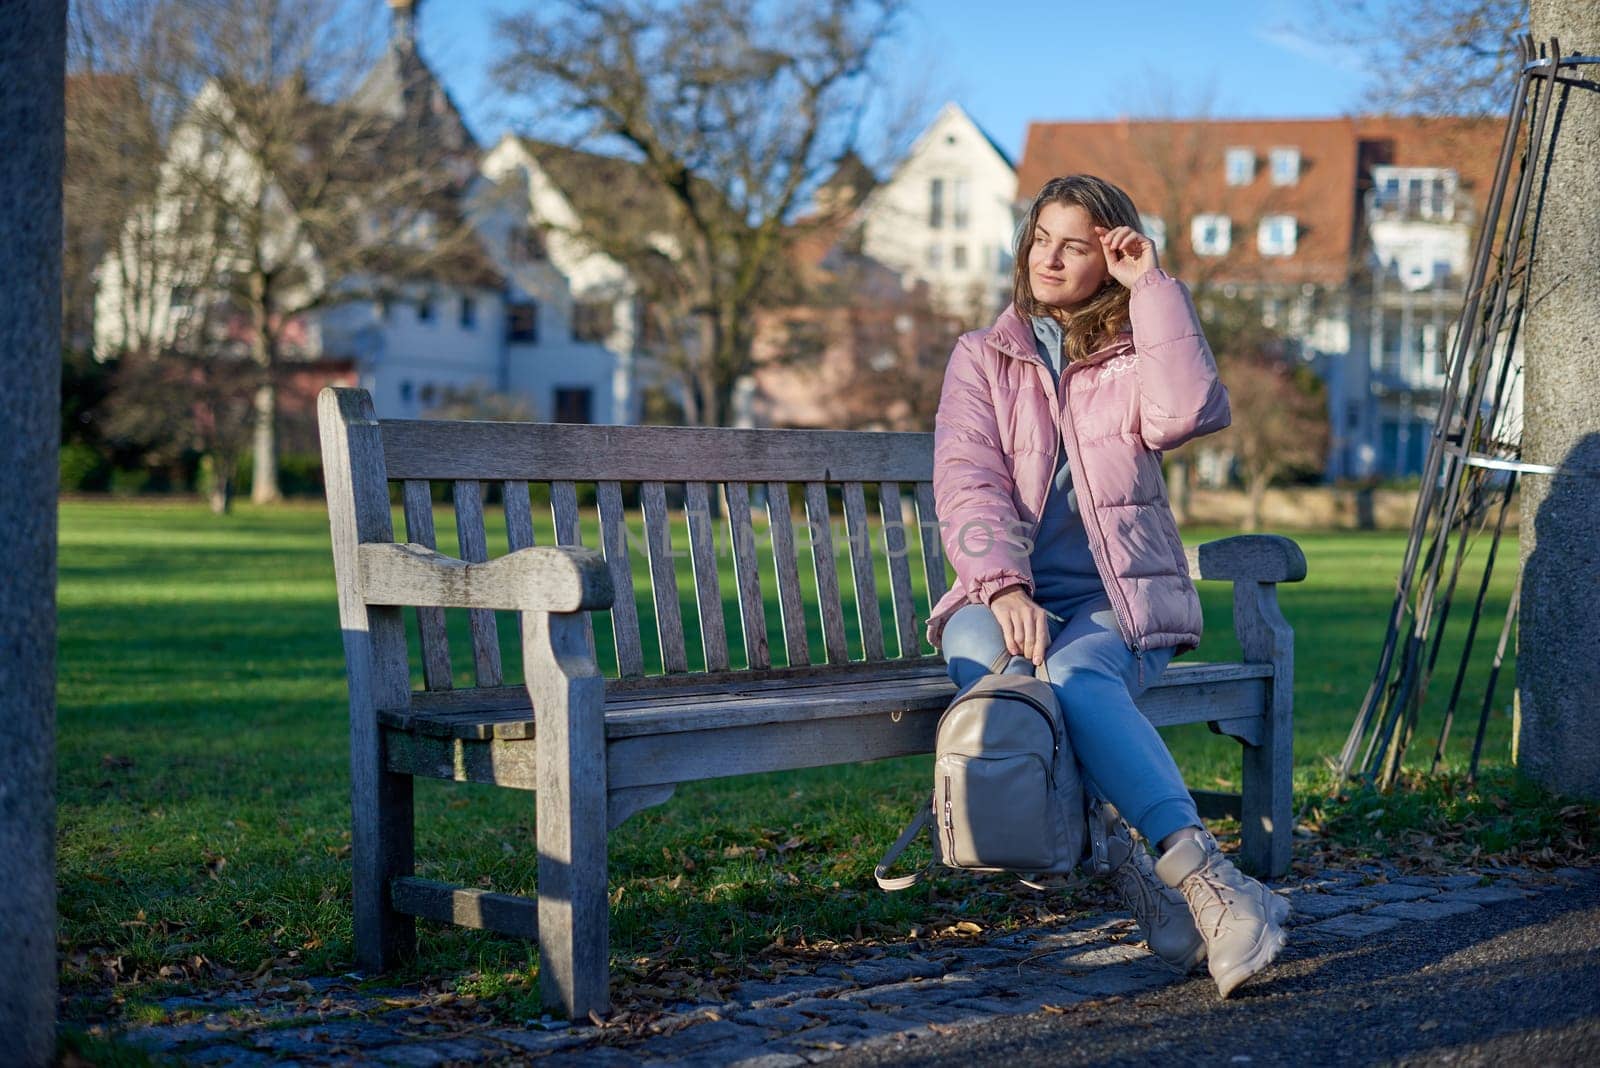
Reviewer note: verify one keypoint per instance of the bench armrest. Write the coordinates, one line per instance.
(1248, 558)
(545, 578)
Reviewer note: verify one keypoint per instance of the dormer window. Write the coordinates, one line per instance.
(1240, 165)
(1155, 228)
(1285, 166)
(1211, 235)
(1276, 235)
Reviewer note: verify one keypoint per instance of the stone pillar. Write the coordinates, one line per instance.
(32, 125)
(1558, 673)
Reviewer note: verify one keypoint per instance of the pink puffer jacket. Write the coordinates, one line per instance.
(1000, 422)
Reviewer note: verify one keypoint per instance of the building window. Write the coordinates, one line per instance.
(958, 257)
(1414, 192)
(960, 203)
(574, 405)
(1276, 235)
(1155, 228)
(405, 392)
(935, 203)
(522, 322)
(1240, 165)
(1285, 166)
(592, 320)
(425, 309)
(1211, 235)
(935, 257)
(469, 313)
(428, 395)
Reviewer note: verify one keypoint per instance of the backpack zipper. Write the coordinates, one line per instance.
(1044, 714)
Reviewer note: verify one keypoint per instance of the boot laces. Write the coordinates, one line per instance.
(1209, 895)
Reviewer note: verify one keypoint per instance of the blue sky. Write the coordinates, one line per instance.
(1022, 62)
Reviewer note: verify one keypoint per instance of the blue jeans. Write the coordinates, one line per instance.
(1096, 678)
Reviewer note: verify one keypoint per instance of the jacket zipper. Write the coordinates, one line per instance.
(1119, 606)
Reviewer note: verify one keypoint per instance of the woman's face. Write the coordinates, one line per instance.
(1065, 261)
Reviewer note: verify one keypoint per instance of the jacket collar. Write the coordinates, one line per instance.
(1012, 335)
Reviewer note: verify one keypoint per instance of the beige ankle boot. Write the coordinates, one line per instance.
(1161, 912)
(1240, 920)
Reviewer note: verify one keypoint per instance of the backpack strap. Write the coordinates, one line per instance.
(902, 882)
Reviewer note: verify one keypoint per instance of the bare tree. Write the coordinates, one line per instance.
(735, 113)
(1432, 57)
(1280, 417)
(281, 185)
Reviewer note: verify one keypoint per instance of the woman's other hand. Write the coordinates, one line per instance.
(1022, 621)
(1128, 253)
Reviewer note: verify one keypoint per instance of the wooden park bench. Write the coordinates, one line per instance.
(597, 750)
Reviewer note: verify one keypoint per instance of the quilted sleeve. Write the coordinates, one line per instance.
(1180, 395)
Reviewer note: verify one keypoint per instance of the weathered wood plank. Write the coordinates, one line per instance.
(448, 451)
(545, 578)
(787, 569)
(896, 551)
(519, 514)
(564, 513)
(467, 906)
(574, 919)
(932, 545)
(654, 690)
(1248, 557)
(819, 523)
(474, 542)
(752, 611)
(765, 735)
(1267, 823)
(868, 617)
(434, 639)
(381, 819)
(663, 577)
(1221, 699)
(707, 576)
(625, 609)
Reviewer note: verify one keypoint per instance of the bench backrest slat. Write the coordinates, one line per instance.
(932, 544)
(564, 513)
(707, 587)
(467, 495)
(625, 610)
(781, 526)
(663, 577)
(445, 451)
(418, 506)
(747, 579)
(866, 582)
(819, 521)
(895, 548)
(519, 514)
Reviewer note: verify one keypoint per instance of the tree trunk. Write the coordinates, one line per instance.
(32, 127)
(1557, 734)
(1178, 488)
(1258, 494)
(264, 351)
(218, 473)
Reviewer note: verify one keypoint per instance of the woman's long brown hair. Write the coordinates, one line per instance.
(1088, 328)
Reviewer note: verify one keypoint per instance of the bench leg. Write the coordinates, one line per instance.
(574, 928)
(381, 849)
(1267, 807)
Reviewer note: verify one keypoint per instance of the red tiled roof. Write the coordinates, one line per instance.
(1174, 169)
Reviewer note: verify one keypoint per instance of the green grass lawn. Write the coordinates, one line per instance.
(203, 785)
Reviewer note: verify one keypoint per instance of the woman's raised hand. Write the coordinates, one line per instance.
(1128, 253)
(1022, 621)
